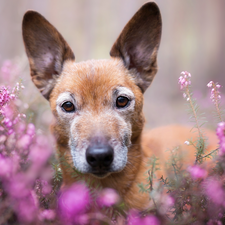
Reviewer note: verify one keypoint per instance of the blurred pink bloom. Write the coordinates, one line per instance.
(20, 128)
(39, 153)
(30, 129)
(220, 131)
(167, 202)
(197, 172)
(47, 214)
(2, 138)
(8, 112)
(19, 185)
(9, 70)
(73, 202)
(26, 208)
(153, 220)
(108, 197)
(214, 222)
(46, 187)
(6, 167)
(213, 189)
(134, 219)
(24, 142)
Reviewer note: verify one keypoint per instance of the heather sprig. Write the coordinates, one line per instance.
(200, 144)
(215, 97)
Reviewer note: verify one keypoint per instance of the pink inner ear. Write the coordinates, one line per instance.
(47, 59)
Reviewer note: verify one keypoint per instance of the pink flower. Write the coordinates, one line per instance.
(197, 172)
(167, 202)
(26, 208)
(47, 214)
(108, 197)
(73, 202)
(39, 153)
(213, 189)
(220, 131)
(184, 80)
(134, 219)
(46, 187)
(6, 167)
(210, 84)
(19, 186)
(215, 93)
(5, 96)
(214, 222)
(9, 70)
(153, 220)
(24, 142)
(30, 129)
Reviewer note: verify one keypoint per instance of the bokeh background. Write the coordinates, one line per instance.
(193, 39)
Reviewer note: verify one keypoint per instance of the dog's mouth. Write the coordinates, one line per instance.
(100, 174)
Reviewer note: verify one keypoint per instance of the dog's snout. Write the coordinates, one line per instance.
(99, 156)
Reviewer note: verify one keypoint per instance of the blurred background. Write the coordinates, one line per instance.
(193, 39)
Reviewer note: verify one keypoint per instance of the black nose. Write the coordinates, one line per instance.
(99, 156)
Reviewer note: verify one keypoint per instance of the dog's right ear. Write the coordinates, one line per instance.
(46, 50)
(138, 44)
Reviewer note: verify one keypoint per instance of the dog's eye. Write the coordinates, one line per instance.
(121, 102)
(68, 106)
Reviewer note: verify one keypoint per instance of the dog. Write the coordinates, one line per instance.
(97, 104)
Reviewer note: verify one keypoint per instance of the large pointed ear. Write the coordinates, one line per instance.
(138, 44)
(46, 50)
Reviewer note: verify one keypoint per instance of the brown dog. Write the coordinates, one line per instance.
(97, 104)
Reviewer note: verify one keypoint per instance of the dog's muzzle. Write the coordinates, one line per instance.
(99, 156)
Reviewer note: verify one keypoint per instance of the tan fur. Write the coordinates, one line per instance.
(93, 87)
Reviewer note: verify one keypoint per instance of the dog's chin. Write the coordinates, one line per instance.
(100, 175)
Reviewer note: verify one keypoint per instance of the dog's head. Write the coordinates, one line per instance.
(98, 103)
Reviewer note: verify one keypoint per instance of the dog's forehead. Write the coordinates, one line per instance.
(94, 78)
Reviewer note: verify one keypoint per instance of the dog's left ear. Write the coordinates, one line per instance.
(138, 44)
(46, 49)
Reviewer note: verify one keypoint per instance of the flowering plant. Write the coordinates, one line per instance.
(30, 176)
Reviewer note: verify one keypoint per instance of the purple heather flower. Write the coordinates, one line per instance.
(26, 208)
(5, 96)
(46, 187)
(197, 172)
(9, 70)
(134, 219)
(24, 142)
(30, 129)
(6, 167)
(153, 220)
(19, 186)
(214, 222)
(47, 214)
(108, 197)
(39, 153)
(213, 189)
(166, 203)
(215, 93)
(220, 131)
(73, 202)
(184, 80)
